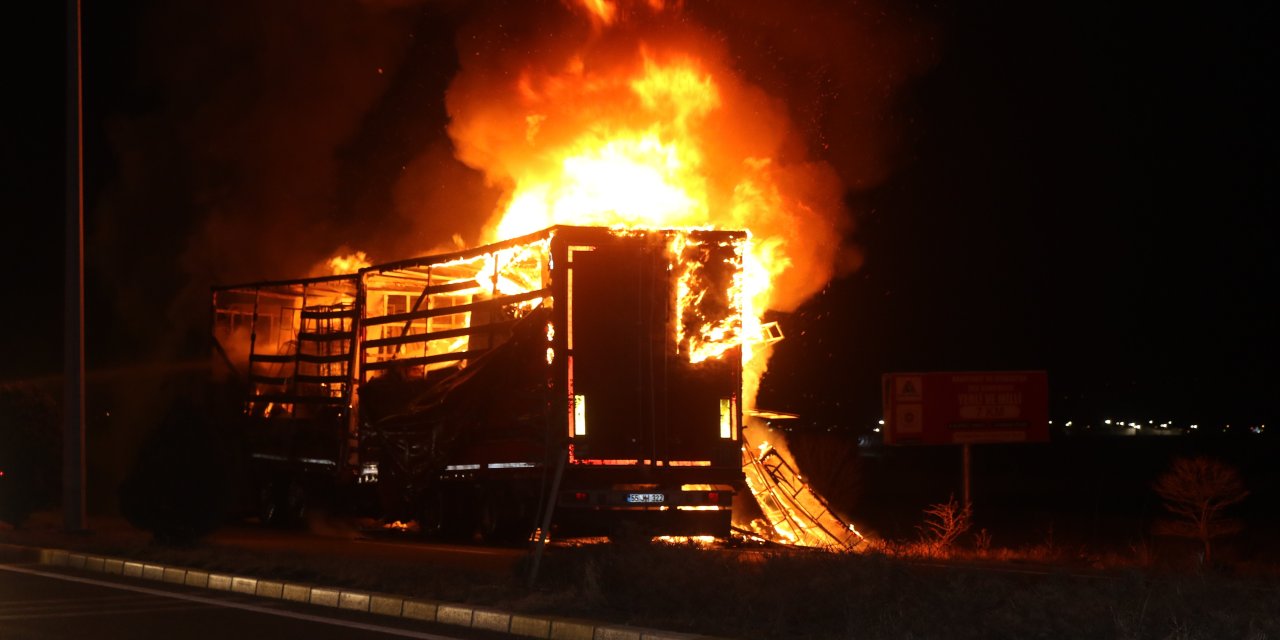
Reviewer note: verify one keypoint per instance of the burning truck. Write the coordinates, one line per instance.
(595, 373)
(608, 336)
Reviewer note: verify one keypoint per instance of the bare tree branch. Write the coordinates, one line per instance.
(1197, 491)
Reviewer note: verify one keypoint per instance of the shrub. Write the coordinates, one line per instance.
(1197, 492)
(944, 523)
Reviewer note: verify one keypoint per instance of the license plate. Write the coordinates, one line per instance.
(645, 497)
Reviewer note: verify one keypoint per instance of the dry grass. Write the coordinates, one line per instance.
(895, 591)
(817, 595)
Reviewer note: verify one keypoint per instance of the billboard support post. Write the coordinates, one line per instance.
(966, 466)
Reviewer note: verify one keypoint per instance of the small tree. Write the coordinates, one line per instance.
(1197, 491)
(944, 523)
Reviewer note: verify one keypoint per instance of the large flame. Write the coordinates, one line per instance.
(638, 128)
(641, 165)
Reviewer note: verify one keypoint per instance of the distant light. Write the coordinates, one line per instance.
(1195, 426)
(1068, 423)
(882, 422)
(877, 429)
(1108, 421)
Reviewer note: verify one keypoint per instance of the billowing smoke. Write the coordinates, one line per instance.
(240, 141)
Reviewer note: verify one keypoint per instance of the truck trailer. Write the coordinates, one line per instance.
(582, 380)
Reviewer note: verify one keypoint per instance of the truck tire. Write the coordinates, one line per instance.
(444, 515)
(282, 503)
(501, 520)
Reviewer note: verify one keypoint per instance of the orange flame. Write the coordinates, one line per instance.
(661, 137)
(603, 10)
(647, 173)
(350, 263)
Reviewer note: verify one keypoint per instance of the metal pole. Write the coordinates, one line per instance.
(964, 448)
(545, 529)
(73, 481)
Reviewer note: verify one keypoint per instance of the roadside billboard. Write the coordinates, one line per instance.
(966, 407)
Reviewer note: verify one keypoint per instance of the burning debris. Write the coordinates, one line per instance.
(793, 512)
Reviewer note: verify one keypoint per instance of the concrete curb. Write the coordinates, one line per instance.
(519, 624)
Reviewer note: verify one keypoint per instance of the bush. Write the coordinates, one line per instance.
(944, 523)
(1197, 491)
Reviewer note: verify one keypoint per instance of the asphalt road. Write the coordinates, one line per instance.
(37, 602)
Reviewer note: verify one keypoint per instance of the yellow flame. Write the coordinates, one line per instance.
(699, 541)
(350, 263)
(646, 170)
(514, 270)
(602, 10)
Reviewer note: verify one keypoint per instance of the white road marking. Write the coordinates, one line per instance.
(350, 624)
(53, 602)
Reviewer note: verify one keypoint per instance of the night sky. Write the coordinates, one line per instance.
(1084, 188)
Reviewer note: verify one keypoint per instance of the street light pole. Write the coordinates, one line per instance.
(73, 484)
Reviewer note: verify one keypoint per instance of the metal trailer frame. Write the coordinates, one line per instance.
(304, 348)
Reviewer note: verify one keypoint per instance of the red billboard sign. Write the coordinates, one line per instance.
(966, 407)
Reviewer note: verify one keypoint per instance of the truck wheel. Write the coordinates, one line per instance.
(501, 521)
(268, 506)
(282, 503)
(431, 515)
(295, 504)
(443, 516)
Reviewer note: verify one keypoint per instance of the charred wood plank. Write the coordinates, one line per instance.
(313, 336)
